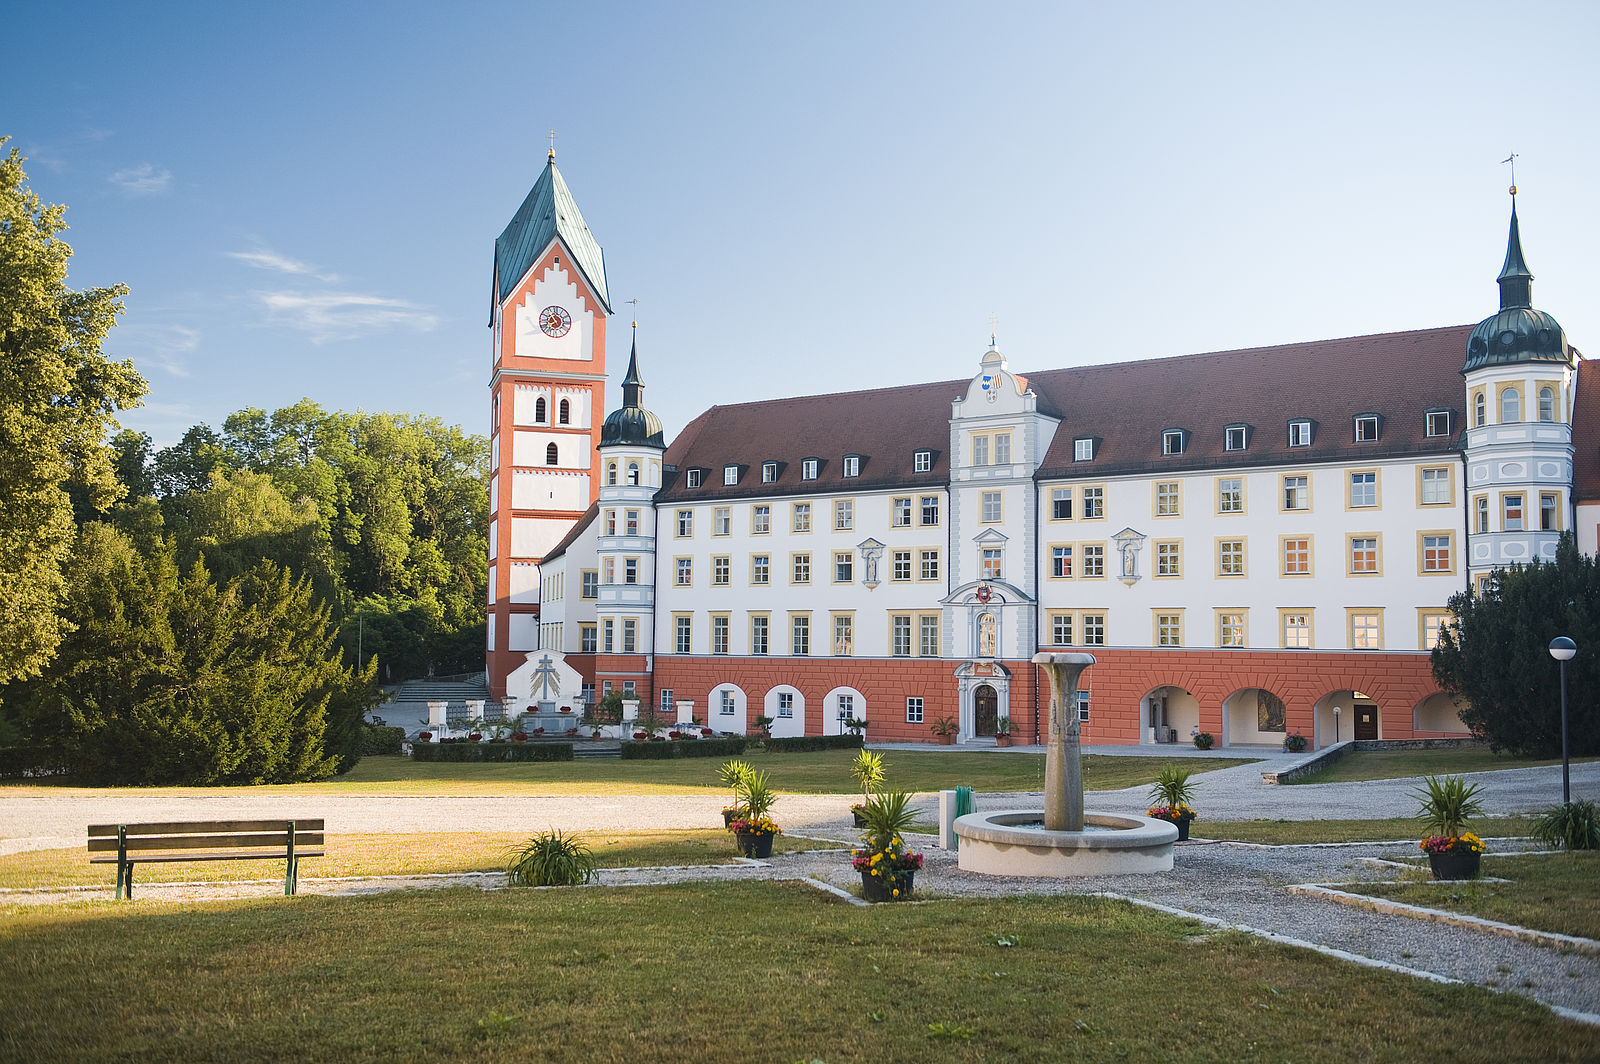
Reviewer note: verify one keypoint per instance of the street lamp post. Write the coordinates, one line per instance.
(1562, 649)
(1336, 724)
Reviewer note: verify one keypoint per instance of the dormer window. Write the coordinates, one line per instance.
(1366, 428)
(1438, 422)
(1235, 437)
(809, 467)
(922, 461)
(1172, 441)
(694, 477)
(1300, 433)
(730, 474)
(769, 472)
(1083, 449)
(852, 465)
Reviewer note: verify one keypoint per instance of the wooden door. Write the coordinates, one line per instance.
(1366, 720)
(985, 707)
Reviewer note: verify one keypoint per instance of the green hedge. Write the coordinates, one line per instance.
(805, 744)
(378, 739)
(645, 750)
(491, 752)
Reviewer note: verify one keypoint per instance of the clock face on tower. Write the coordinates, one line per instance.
(555, 321)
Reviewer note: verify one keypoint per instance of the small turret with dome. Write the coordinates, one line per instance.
(632, 424)
(1518, 333)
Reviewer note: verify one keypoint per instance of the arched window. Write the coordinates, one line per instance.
(564, 412)
(538, 411)
(1510, 406)
(1547, 405)
(1477, 411)
(633, 472)
(550, 455)
(611, 472)
(496, 412)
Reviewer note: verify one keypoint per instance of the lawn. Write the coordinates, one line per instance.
(1548, 892)
(1396, 764)
(391, 855)
(689, 973)
(1291, 832)
(826, 772)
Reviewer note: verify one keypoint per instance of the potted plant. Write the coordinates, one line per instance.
(755, 829)
(1203, 740)
(945, 729)
(888, 869)
(1002, 731)
(764, 726)
(731, 774)
(1445, 804)
(855, 726)
(1294, 742)
(1169, 798)
(867, 768)
(519, 736)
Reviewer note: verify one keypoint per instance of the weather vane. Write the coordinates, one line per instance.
(1512, 159)
(635, 303)
(552, 136)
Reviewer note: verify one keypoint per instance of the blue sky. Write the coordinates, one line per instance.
(803, 198)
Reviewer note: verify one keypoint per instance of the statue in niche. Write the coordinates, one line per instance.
(988, 635)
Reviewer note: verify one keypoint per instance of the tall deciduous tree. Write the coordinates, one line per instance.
(1496, 657)
(58, 395)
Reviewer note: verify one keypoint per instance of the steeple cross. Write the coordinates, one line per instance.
(552, 136)
(1512, 159)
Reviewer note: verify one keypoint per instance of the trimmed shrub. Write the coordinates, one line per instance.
(440, 752)
(379, 739)
(806, 744)
(645, 750)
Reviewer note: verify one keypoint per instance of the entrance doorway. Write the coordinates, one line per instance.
(1366, 720)
(985, 707)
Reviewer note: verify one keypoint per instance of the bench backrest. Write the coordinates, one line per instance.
(205, 835)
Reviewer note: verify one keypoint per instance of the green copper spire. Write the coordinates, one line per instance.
(1516, 283)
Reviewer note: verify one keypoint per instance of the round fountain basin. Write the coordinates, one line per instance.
(1015, 843)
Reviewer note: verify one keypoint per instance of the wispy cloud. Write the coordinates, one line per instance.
(343, 315)
(146, 179)
(267, 259)
(159, 344)
(53, 154)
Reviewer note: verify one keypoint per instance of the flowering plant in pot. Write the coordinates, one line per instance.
(640, 736)
(1445, 804)
(1002, 731)
(519, 736)
(1170, 796)
(425, 737)
(755, 828)
(887, 866)
(1294, 742)
(1203, 740)
(867, 768)
(706, 733)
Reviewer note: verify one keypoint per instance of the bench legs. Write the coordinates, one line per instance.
(124, 869)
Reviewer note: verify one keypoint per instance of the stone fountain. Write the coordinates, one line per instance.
(1063, 840)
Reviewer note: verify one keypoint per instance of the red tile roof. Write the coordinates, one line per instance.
(1125, 406)
(1586, 433)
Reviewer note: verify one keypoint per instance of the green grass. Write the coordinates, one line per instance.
(391, 855)
(691, 973)
(1554, 892)
(1291, 832)
(1395, 764)
(826, 772)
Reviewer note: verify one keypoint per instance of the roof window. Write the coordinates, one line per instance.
(694, 476)
(769, 472)
(922, 461)
(1300, 433)
(1083, 449)
(1235, 437)
(730, 474)
(852, 465)
(1172, 441)
(809, 467)
(1366, 430)
(1438, 423)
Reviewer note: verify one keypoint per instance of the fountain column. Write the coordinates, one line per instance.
(1063, 763)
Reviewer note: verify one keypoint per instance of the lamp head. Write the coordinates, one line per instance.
(1562, 648)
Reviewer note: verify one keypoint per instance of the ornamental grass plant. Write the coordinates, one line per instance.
(551, 859)
(1444, 806)
(1573, 826)
(1172, 789)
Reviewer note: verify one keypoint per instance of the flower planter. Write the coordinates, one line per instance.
(1455, 865)
(860, 820)
(947, 740)
(1181, 825)
(876, 888)
(1002, 740)
(731, 814)
(755, 844)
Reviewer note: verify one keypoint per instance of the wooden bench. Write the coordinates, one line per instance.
(206, 840)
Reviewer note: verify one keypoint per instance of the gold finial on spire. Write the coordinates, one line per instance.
(1512, 159)
(552, 136)
(635, 303)
(994, 323)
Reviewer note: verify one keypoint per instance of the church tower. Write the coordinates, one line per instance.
(546, 389)
(1520, 374)
(630, 460)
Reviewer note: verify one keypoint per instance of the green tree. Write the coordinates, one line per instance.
(58, 396)
(171, 678)
(1495, 658)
